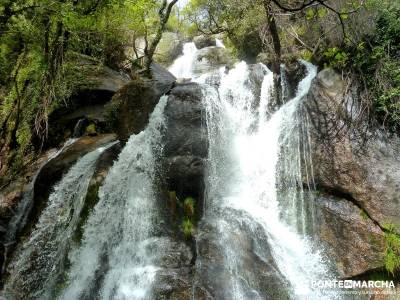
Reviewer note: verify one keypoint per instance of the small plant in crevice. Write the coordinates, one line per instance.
(392, 250)
(189, 206)
(187, 228)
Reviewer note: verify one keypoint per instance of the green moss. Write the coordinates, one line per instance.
(111, 115)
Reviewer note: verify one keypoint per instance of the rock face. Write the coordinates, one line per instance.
(256, 267)
(131, 107)
(168, 49)
(87, 106)
(185, 140)
(351, 239)
(35, 186)
(175, 279)
(211, 58)
(55, 168)
(349, 158)
(203, 41)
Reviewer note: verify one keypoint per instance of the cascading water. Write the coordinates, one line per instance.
(257, 162)
(19, 220)
(181, 67)
(40, 261)
(258, 219)
(117, 259)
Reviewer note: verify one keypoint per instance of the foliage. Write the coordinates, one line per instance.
(378, 63)
(189, 206)
(187, 228)
(41, 46)
(392, 251)
(337, 58)
(221, 16)
(91, 129)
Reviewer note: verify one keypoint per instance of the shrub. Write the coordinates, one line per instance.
(392, 250)
(189, 206)
(187, 228)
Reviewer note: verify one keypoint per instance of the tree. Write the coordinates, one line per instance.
(164, 13)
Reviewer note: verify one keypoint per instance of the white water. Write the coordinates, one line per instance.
(219, 43)
(247, 150)
(255, 171)
(20, 218)
(257, 163)
(119, 234)
(182, 66)
(40, 261)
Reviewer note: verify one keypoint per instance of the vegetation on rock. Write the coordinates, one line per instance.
(392, 252)
(41, 45)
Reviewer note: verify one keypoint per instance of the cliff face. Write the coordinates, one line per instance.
(356, 170)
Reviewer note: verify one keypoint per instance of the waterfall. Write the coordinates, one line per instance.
(258, 222)
(181, 68)
(40, 261)
(219, 43)
(24, 208)
(117, 259)
(257, 164)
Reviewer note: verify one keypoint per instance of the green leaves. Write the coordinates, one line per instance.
(392, 252)
(336, 58)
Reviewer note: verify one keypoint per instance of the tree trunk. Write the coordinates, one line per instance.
(164, 14)
(273, 29)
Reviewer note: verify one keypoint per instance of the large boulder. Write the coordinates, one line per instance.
(169, 48)
(86, 107)
(130, 109)
(211, 58)
(185, 140)
(203, 41)
(350, 158)
(22, 200)
(352, 240)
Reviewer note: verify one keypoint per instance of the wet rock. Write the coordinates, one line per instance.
(130, 109)
(203, 41)
(256, 275)
(12, 193)
(351, 239)
(211, 58)
(348, 156)
(169, 48)
(55, 168)
(256, 78)
(103, 165)
(185, 140)
(172, 258)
